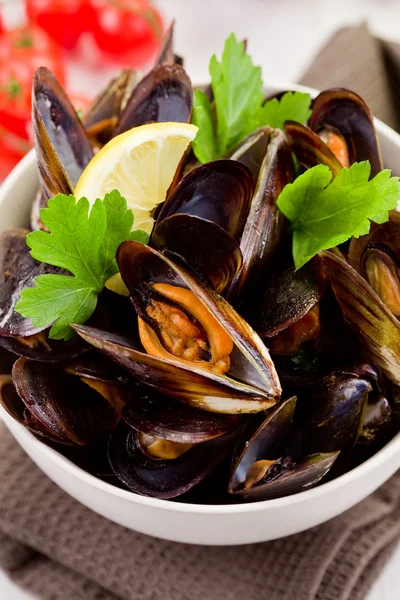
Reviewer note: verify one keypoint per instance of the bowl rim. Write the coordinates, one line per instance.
(374, 462)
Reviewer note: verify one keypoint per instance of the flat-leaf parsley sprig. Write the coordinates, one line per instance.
(238, 107)
(325, 213)
(84, 242)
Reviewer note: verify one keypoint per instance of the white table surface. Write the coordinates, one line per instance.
(283, 35)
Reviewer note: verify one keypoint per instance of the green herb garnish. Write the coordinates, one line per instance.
(239, 105)
(85, 244)
(325, 213)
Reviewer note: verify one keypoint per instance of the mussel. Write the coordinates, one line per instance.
(373, 323)
(344, 122)
(64, 407)
(62, 146)
(165, 94)
(187, 329)
(259, 469)
(17, 272)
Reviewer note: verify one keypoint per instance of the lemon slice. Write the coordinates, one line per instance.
(140, 164)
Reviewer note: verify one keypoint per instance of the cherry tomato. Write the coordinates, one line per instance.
(22, 51)
(127, 31)
(64, 20)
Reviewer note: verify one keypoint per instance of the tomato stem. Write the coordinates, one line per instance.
(25, 42)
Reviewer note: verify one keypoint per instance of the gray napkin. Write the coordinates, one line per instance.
(60, 550)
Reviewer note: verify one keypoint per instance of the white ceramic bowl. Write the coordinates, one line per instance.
(198, 524)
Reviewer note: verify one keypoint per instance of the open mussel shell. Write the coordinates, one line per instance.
(17, 272)
(265, 224)
(329, 414)
(285, 477)
(309, 149)
(163, 478)
(71, 411)
(219, 191)
(252, 150)
(202, 245)
(12, 403)
(62, 146)
(164, 95)
(142, 267)
(260, 440)
(103, 115)
(346, 113)
(286, 295)
(165, 418)
(250, 362)
(376, 327)
(380, 267)
(387, 234)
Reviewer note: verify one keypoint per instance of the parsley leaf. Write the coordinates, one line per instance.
(293, 106)
(205, 143)
(84, 243)
(325, 213)
(239, 105)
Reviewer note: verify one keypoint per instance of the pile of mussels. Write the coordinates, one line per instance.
(173, 392)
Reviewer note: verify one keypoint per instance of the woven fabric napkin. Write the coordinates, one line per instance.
(60, 550)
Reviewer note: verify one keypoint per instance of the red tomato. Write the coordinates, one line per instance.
(22, 51)
(128, 31)
(12, 149)
(64, 20)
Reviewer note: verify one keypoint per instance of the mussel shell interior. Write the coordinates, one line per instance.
(309, 149)
(372, 322)
(60, 139)
(347, 112)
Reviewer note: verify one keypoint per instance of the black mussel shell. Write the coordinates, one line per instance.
(329, 413)
(375, 326)
(286, 295)
(101, 119)
(252, 150)
(17, 272)
(309, 149)
(7, 360)
(71, 411)
(62, 146)
(285, 477)
(260, 440)
(265, 225)
(163, 478)
(166, 55)
(202, 246)
(163, 417)
(164, 95)
(219, 191)
(345, 112)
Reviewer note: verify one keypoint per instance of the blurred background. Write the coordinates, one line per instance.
(85, 41)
